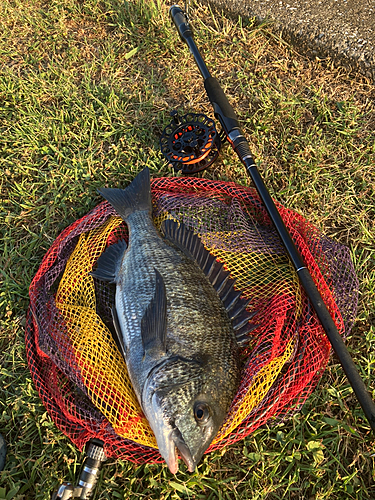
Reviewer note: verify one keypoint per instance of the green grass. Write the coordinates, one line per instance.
(85, 91)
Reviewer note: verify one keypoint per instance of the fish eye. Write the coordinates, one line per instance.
(201, 413)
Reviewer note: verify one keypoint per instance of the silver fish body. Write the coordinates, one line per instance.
(173, 310)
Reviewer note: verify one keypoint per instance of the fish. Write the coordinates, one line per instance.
(179, 323)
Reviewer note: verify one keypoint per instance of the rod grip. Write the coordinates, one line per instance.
(222, 108)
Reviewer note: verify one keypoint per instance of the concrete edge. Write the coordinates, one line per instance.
(309, 43)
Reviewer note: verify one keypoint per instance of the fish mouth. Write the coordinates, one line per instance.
(181, 446)
(169, 439)
(174, 446)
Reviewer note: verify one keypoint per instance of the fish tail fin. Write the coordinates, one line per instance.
(136, 197)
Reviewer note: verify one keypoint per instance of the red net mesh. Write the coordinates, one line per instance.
(288, 351)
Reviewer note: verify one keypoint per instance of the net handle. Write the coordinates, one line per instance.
(230, 124)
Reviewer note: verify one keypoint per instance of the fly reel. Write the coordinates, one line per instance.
(190, 143)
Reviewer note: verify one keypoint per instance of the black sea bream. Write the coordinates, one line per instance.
(179, 323)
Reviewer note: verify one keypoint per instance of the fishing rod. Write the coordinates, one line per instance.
(232, 131)
(94, 459)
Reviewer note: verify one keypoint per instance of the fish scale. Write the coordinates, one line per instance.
(172, 314)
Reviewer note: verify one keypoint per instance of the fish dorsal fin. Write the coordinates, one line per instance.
(191, 245)
(154, 321)
(107, 264)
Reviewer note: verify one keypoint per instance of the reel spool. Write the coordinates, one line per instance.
(190, 143)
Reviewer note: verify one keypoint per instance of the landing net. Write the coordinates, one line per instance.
(75, 364)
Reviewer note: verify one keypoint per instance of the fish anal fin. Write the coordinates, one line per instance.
(107, 263)
(154, 321)
(118, 333)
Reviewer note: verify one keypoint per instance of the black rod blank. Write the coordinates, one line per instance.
(230, 124)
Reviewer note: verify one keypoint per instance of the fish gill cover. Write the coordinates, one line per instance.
(80, 374)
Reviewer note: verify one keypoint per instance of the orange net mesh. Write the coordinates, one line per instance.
(77, 368)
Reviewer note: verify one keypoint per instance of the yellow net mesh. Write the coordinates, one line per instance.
(101, 365)
(74, 361)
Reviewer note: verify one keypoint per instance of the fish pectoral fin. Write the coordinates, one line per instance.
(107, 264)
(118, 338)
(154, 321)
